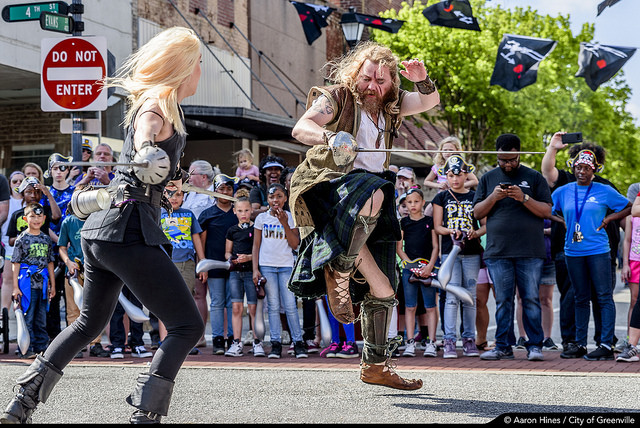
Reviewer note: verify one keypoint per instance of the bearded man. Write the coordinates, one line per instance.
(346, 213)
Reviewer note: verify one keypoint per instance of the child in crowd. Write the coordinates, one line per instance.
(246, 168)
(182, 229)
(215, 222)
(337, 349)
(31, 191)
(274, 240)
(419, 240)
(33, 285)
(453, 218)
(238, 250)
(436, 180)
(631, 266)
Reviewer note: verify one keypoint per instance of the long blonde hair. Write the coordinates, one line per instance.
(345, 69)
(438, 159)
(156, 71)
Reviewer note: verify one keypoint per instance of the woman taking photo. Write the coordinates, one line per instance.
(123, 244)
(583, 205)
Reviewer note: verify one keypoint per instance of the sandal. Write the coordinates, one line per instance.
(484, 346)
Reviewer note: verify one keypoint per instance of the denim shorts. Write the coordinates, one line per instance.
(548, 276)
(411, 292)
(242, 283)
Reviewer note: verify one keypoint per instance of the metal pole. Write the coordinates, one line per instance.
(76, 119)
(484, 152)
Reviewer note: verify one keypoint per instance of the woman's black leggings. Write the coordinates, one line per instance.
(635, 316)
(154, 280)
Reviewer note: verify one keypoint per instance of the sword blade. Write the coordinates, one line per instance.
(23, 338)
(189, 188)
(484, 152)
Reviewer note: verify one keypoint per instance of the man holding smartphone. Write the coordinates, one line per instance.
(515, 200)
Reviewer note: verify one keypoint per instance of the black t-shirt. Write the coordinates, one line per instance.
(17, 224)
(216, 222)
(512, 230)
(458, 214)
(558, 231)
(5, 191)
(417, 237)
(242, 239)
(258, 195)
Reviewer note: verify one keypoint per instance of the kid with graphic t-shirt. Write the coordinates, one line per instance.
(453, 216)
(274, 241)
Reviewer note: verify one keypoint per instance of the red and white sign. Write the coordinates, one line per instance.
(71, 69)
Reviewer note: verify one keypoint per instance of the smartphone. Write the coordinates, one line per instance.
(505, 185)
(572, 137)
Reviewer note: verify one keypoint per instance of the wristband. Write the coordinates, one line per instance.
(326, 136)
(426, 86)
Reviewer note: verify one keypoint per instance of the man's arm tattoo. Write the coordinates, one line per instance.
(323, 106)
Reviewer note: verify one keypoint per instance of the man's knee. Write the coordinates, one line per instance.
(373, 204)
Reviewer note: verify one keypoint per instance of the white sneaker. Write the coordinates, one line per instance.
(248, 338)
(430, 350)
(141, 352)
(410, 349)
(258, 350)
(291, 349)
(235, 350)
(117, 353)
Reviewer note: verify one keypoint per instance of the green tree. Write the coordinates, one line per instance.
(461, 63)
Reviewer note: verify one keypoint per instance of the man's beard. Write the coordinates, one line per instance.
(512, 173)
(371, 105)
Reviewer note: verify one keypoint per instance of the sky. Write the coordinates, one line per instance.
(616, 26)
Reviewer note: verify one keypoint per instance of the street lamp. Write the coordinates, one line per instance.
(351, 28)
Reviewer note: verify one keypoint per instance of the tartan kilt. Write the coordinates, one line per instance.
(334, 205)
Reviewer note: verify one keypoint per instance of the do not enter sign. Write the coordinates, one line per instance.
(71, 69)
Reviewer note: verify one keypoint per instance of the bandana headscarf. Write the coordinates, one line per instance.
(586, 157)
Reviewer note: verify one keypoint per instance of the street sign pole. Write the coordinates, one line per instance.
(76, 120)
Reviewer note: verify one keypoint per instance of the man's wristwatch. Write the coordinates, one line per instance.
(526, 198)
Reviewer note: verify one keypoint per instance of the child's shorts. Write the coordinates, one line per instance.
(483, 276)
(634, 265)
(548, 276)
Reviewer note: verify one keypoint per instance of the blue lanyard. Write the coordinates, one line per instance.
(575, 200)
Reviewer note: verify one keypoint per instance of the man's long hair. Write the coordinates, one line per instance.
(345, 69)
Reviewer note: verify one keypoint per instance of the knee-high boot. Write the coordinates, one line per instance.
(151, 397)
(338, 294)
(376, 366)
(35, 387)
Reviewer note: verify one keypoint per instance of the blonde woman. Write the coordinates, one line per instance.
(123, 243)
(449, 146)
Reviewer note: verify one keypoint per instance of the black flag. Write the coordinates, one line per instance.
(518, 60)
(313, 18)
(604, 4)
(598, 63)
(453, 14)
(384, 24)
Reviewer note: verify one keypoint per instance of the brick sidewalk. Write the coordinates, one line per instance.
(552, 363)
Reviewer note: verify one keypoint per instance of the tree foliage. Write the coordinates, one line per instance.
(461, 63)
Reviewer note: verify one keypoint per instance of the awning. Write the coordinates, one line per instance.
(218, 123)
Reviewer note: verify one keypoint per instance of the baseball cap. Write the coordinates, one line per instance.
(405, 172)
(272, 164)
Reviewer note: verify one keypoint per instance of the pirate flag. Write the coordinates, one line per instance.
(453, 14)
(598, 63)
(313, 18)
(384, 24)
(518, 60)
(602, 6)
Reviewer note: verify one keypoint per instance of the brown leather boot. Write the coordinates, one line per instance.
(338, 296)
(385, 375)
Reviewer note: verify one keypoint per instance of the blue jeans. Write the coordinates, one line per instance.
(506, 273)
(276, 288)
(241, 284)
(36, 320)
(592, 273)
(465, 275)
(567, 301)
(220, 294)
(411, 290)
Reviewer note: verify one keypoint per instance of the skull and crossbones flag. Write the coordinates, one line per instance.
(518, 60)
(313, 18)
(385, 24)
(606, 3)
(599, 63)
(453, 14)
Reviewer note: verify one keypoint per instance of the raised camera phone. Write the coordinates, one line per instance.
(572, 137)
